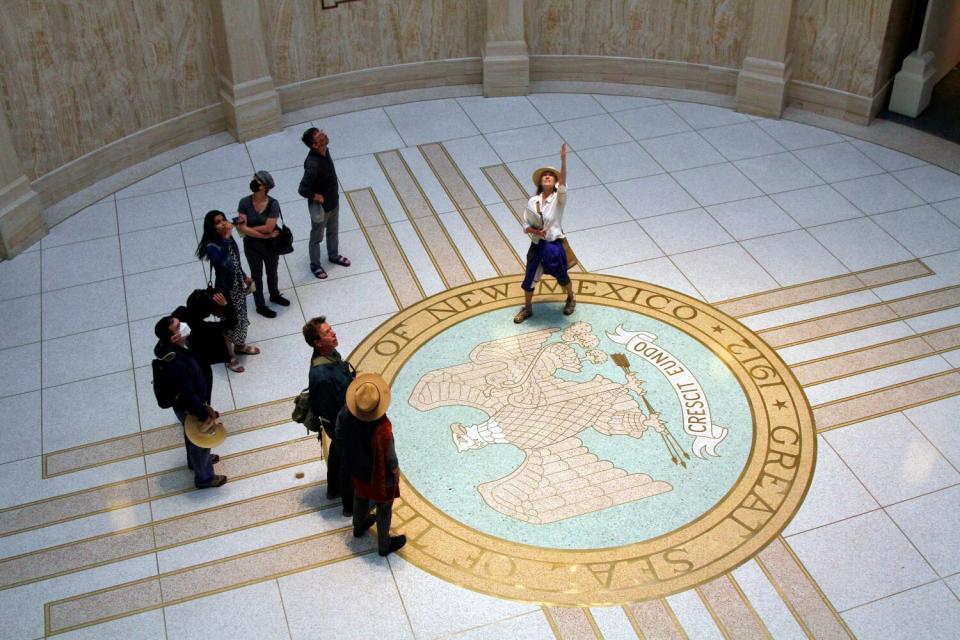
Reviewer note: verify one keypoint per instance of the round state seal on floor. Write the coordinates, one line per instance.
(640, 447)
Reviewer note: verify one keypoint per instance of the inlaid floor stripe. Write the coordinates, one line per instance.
(873, 404)
(825, 288)
(159, 439)
(432, 233)
(489, 236)
(573, 623)
(731, 610)
(162, 484)
(861, 318)
(386, 249)
(163, 534)
(885, 354)
(267, 563)
(800, 593)
(655, 619)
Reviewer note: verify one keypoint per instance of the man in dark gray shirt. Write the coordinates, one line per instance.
(319, 187)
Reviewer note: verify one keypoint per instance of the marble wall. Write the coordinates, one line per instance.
(76, 75)
(849, 45)
(709, 32)
(309, 39)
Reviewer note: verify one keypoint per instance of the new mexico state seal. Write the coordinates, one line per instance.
(640, 447)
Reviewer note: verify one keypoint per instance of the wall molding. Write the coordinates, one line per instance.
(59, 184)
(366, 82)
(642, 71)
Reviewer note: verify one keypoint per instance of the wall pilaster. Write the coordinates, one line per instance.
(506, 61)
(21, 212)
(250, 100)
(765, 73)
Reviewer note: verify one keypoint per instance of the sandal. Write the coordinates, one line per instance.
(318, 272)
(522, 315)
(340, 260)
(247, 350)
(570, 306)
(235, 366)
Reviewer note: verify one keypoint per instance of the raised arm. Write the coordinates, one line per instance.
(563, 165)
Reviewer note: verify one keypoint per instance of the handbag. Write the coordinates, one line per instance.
(282, 243)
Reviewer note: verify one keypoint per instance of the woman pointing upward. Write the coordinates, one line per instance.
(543, 218)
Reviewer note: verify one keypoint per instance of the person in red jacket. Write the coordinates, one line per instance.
(371, 458)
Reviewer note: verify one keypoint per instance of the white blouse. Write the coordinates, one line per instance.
(549, 216)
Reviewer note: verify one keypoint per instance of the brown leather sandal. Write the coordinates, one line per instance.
(570, 306)
(522, 315)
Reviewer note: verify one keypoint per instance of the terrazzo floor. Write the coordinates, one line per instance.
(703, 200)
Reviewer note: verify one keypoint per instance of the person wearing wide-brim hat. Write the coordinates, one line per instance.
(370, 456)
(543, 218)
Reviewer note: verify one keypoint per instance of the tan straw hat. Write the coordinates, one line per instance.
(213, 437)
(368, 397)
(542, 170)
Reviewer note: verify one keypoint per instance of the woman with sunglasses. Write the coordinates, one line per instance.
(258, 224)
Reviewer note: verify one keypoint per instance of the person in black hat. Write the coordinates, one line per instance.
(259, 214)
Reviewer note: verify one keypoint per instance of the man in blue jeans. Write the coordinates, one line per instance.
(319, 186)
(192, 396)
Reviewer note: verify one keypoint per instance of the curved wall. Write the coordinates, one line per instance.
(305, 41)
(711, 32)
(91, 87)
(76, 76)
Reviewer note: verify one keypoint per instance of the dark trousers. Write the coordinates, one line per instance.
(338, 477)
(361, 509)
(261, 255)
(198, 458)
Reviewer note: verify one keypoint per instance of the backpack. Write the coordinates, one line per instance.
(303, 413)
(163, 387)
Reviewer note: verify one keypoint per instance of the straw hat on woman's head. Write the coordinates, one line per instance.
(542, 170)
(368, 397)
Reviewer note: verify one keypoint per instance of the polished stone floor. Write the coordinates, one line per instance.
(841, 254)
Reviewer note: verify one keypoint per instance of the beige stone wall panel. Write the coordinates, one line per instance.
(840, 44)
(305, 41)
(712, 32)
(78, 75)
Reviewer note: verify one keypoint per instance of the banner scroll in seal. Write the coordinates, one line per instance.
(697, 422)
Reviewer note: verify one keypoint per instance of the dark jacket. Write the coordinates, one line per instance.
(206, 336)
(357, 438)
(219, 256)
(329, 378)
(193, 391)
(319, 176)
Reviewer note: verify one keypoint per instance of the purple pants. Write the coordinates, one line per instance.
(550, 256)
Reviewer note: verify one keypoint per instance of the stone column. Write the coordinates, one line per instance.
(506, 62)
(936, 54)
(250, 100)
(762, 83)
(21, 213)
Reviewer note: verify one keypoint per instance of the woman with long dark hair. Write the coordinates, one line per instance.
(543, 219)
(218, 246)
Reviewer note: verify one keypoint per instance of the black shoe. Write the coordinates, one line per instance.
(267, 312)
(396, 543)
(369, 522)
(280, 300)
(218, 481)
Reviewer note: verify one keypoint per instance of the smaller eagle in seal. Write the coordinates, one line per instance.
(514, 381)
